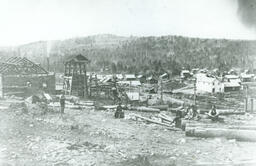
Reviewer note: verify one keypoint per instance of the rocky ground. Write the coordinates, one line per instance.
(90, 137)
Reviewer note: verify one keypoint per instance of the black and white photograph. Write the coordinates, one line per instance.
(127, 82)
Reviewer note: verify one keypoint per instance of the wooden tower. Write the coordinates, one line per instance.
(75, 79)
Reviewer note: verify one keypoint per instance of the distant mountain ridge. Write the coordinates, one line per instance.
(138, 54)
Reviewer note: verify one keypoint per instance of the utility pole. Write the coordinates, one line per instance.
(246, 98)
(195, 92)
(161, 84)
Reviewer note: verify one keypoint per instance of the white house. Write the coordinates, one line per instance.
(185, 74)
(210, 84)
(130, 77)
(231, 86)
(247, 77)
(130, 83)
(232, 78)
(119, 76)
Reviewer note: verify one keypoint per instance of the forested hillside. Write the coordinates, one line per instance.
(142, 54)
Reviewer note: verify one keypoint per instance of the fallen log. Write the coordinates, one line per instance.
(156, 122)
(145, 109)
(205, 126)
(174, 110)
(233, 163)
(107, 107)
(161, 107)
(225, 112)
(239, 135)
(86, 103)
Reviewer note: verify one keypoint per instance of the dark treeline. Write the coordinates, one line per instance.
(147, 55)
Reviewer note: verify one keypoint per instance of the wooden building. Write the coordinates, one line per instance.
(22, 77)
(75, 78)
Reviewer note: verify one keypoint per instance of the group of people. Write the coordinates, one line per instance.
(191, 113)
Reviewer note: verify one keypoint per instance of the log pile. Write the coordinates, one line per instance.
(148, 120)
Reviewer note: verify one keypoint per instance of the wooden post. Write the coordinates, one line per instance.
(195, 92)
(85, 81)
(90, 85)
(251, 104)
(48, 64)
(69, 69)
(245, 104)
(1, 86)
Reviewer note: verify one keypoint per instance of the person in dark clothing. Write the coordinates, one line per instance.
(115, 94)
(177, 119)
(62, 103)
(213, 114)
(119, 111)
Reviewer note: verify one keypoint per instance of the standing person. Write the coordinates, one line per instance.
(177, 119)
(115, 94)
(119, 111)
(62, 103)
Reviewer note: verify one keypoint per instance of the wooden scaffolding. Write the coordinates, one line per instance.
(75, 78)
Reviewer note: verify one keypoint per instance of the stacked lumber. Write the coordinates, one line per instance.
(165, 118)
(148, 120)
(72, 105)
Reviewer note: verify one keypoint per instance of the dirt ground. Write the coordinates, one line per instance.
(89, 137)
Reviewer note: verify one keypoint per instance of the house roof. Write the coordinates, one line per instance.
(185, 71)
(231, 84)
(77, 58)
(18, 65)
(130, 76)
(132, 83)
(231, 76)
(133, 96)
(119, 76)
(243, 75)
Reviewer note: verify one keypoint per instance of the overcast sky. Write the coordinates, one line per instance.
(24, 21)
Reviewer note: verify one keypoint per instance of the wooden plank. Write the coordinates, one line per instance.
(165, 118)
(156, 122)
